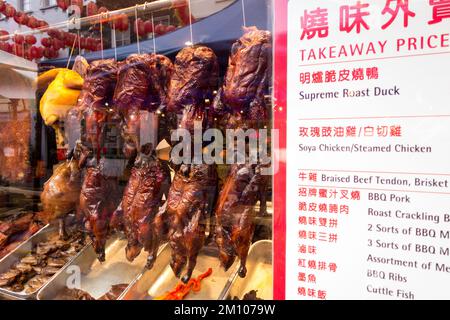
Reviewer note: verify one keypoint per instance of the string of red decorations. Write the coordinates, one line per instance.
(24, 46)
(144, 28)
(21, 17)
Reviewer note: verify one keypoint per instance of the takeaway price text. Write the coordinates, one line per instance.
(357, 18)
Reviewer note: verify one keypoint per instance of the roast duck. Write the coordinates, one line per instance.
(95, 100)
(187, 210)
(241, 103)
(138, 213)
(192, 85)
(143, 81)
(122, 90)
(235, 213)
(99, 198)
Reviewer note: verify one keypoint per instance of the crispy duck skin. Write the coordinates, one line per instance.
(248, 69)
(136, 214)
(129, 98)
(142, 84)
(195, 118)
(235, 213)
(94, 99)
(161, 71)
(98, 200)
(132, 84)
(240, 102)
(187, 212)
(195, 76)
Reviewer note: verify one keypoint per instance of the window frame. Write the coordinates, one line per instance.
(25, 5)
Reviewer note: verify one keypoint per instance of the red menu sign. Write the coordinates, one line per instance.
(367, 154)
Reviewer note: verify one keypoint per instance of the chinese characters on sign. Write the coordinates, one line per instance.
(354, 17)
(368, 176)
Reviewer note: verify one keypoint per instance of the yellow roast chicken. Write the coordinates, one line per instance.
(61, 95)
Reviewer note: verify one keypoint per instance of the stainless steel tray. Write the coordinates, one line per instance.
(21, 251)
(158, 281)
(259, 274)
(97, 278)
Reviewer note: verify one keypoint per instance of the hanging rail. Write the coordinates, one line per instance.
(105, 17)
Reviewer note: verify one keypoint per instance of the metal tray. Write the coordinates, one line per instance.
(158, 281)
(259, 274)
(97, 278)
(21, 251)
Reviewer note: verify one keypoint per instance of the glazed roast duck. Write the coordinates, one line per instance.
(189, 203)
(143, 81)
(137, 215)
(182, 220)
(240, 102)
(194, 78)
(98, 199)
(139, 83)
(187, 210)
(95, 101)
(235, 213)
(192, 85)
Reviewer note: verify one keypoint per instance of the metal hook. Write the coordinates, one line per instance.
(137, 29)
(115, 38)
(79, 42)
(15, 44)
(243, 13)
(71, 52)
(153, 37)
(101, 34)
(190, 23)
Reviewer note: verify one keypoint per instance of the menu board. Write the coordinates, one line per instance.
(368, 150)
